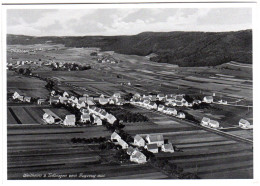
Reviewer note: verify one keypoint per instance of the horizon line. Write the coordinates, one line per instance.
(127, 35)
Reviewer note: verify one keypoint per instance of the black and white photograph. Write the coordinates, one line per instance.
(138, 92)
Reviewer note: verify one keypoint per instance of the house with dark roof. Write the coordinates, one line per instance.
(152, 148)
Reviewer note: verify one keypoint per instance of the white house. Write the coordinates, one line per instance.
(115, 136)
(138, 157)
(117, 95)
(63, 99)
(27, 99)
(90, 102)
(152, 105)
(208, 99)
(54, 99)
(213, 124)
(244, 124)
(172, 111)
(111, 119)
(180, 115)
(167, 148)
(160, 108)
(81, 104)
(49, 119)
(103, 101)
(41, 101)
(152, 148)
(205, 121)
(123, 144)
(155, 139)
(16, 95)
(69, 120)
(84, 118)
(65, 94)
(139, 141)
(130, 150)
(161, 97)
(83, 99)
(97, 120)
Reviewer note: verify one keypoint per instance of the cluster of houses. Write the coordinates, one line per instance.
(116, 99)
(209, 122)
(170, 111)
(152, 144)
(244, 124)
(17, 96)
(86, 106)
(106, 59)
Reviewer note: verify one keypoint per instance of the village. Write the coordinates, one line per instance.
(140, 127)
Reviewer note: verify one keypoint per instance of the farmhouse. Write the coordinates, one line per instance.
(69, 120)
(81, 104)
(65, 94)
(130, 150)
(16, 95)
(244, 124)
(179, 103)
(117, 95)
(119, 101)
(54, 100)
(152, 106)
(180, 115)
(155, 139)
(103, 101)
(84, 110)
(139, 141)
(160, 108)
(90, 102)
(115, 136)
(205, 121)
(111, 119)
(138, 157)
(167, 148)
(63, 99)
(152, 148)
(48, 118)
(152, 97)
(97, 120)
(172, 111)
(103, 114)
(136, 95)
(213, 124)
(40, 101)
(84, 99)
(84, 118)
(197, 102)
(161, 97)
(179, 98)
(27, 99)
(123, 144)
(208, 99)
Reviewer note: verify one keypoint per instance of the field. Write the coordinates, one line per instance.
(47, 149)
(34, 148)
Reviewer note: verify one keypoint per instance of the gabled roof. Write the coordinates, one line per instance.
(151, 146)
(122, 142)
(204, 119)
(114, 134)
(168, 146)
(161, 106)
(208, 97)
(213, 122)
(138, 155)
(155, 138)
(243, 121)
(130, 150)
(85, 116)
(103, 113)
(138, 138)
(171, 109)
(70, 118)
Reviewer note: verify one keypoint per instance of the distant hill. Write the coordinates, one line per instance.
(181, 48)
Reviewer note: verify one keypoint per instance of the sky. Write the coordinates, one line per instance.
(79, 22)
